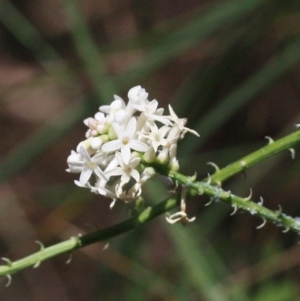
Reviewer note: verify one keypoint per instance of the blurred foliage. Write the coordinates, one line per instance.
(229, 66)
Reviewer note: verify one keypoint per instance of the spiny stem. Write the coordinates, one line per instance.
(256, 209)
(78, 242)
(149, 213)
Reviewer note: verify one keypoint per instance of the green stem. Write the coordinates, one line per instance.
(78, 242)
(263, 153)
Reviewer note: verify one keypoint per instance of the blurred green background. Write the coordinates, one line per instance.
(229, 66)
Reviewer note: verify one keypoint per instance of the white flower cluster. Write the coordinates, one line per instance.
(120, 140)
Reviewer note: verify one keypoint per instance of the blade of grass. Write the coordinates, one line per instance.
(89, 52)
(31, 38)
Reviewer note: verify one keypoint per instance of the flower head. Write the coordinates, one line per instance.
(122, 140)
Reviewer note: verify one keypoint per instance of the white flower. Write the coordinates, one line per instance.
(114, 107)
(125, 141)
(121, 141)
(126, 171)
(181, 123)
(90, 166)
(181, 215)
(150, 111)
(156, 136)
(75, 162)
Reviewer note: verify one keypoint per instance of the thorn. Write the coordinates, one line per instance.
(40, 244)
(263, 223)
(248, 197)
(210, 202)
(261, 202)
(209, 179)
(279, 212)
(293, 153)
(70, 258)
(216, 167)
(9, 280)
(286, 230)
(194, 177)
(37, 264)
(235, 208)
(8, 261)
(270, 139)
(106, 246)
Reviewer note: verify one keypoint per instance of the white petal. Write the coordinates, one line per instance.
(85, 176)
(125, 153)
(138, 146)
(119, 159)
(125, 179)
(116, 105)
(118, 130)
(131, 127)
(135, 174)
(162, 119)
(85, 155)
(120, 116)
(135, 162)
(172, 113)
(152, 106)
(134, 92)
(111, 146)
(96, 142)
(99, 116)
(117, 171)
(100, 173)
(105, 109)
